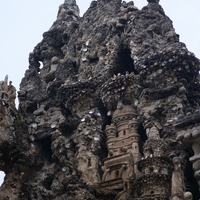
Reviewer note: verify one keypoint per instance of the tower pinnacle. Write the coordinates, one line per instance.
(153, 1)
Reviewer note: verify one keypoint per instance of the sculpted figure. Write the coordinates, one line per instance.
(7, 103)
(7, 92)
(2, 115)
(153, 133)
(3, 98)
(178, 186)
(11, 94)
(3, 88)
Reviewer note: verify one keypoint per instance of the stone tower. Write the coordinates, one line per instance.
(156, 169)
(123, 148)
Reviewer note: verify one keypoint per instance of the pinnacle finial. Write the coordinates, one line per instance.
(153, 1)
(6, 80)
(70, 2)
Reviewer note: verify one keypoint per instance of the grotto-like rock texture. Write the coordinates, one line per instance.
(117, 66)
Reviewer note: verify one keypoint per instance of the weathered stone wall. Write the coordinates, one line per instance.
(55, 143)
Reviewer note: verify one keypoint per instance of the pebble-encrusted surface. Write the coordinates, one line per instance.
(53, 146)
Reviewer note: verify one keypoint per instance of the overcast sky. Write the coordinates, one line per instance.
(23, 22)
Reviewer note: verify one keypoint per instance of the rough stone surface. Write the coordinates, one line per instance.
(54, 146)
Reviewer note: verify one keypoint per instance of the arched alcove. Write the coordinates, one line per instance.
(124, 62)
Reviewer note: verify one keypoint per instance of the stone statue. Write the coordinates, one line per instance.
(11, 94)
(2, 115)
(7, 92)
(178, 186)
(153, 133)
(3, 88)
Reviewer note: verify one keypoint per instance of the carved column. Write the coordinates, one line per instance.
(178, 186)
(196, 159)
(133, 126)
(156, 168)
(187, 130)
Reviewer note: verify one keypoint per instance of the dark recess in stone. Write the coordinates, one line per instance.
(46, 151)
(31, 108)
(191, 183)
(124, 62)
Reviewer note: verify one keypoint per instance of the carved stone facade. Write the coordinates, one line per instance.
(140, 172)
(118, 66)
(7, 105)
(147, 177)
(187, 129)
(123, 148)
(156, 168)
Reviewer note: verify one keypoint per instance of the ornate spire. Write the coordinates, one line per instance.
(153, 1)
(70, 2)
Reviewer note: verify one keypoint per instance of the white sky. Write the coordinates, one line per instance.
(23, 22)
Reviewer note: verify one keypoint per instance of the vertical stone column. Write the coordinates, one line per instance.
(133, 126)
(187, 130)
(178, 186)
(196, 160)
(7, 118)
